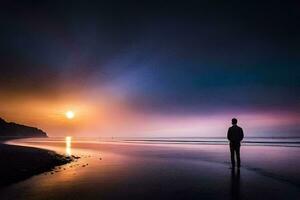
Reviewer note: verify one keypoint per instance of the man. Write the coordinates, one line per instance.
(235, 135)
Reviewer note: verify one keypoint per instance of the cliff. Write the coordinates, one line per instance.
(10, 129)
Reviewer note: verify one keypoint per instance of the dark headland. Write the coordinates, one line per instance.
(10, 130)
(18, 163)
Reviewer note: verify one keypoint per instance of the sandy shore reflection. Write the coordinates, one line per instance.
(68, 145)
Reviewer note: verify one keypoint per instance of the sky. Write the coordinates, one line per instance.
(151, 68)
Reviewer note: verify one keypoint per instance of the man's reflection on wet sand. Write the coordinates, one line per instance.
(235, 184)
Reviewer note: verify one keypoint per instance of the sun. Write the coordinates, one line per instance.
(70, 114)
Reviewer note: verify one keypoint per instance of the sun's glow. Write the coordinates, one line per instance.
(70, 114)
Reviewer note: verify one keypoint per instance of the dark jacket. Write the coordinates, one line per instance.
(235, 135)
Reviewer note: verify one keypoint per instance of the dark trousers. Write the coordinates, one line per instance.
(235, 150)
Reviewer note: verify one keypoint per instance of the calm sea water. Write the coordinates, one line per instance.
(157, 168)
(249, 141)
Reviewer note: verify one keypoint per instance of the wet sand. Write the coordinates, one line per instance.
(150, 171)
(18, 163)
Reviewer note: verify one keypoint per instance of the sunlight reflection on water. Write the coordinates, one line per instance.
(68, 145)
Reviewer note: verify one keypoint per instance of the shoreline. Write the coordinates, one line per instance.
(19, 163)
(126, 171)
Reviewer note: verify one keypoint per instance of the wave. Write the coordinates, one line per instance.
(249, 141)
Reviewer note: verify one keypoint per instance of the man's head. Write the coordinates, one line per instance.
(234, 121)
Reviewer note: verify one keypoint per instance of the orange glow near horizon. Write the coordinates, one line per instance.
(106, 115)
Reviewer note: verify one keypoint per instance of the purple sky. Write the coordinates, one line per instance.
(159, 68)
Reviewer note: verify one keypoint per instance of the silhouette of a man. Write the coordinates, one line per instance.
(235, 135)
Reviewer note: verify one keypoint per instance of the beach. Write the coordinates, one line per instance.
(139, 170)
(19, 163)
(149, 100)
